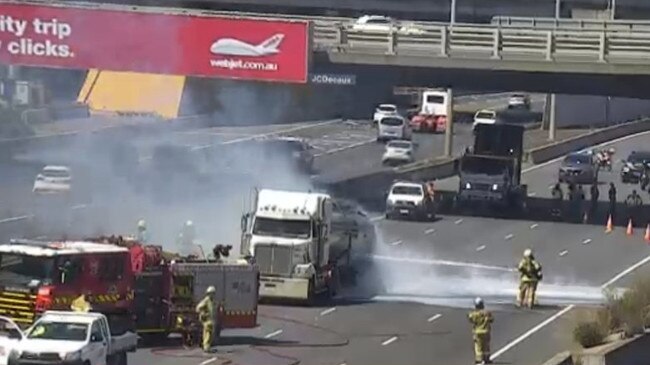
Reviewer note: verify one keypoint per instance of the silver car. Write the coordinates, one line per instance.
(578, 168)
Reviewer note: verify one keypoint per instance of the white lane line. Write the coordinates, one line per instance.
(434, 317)
(429, 231)
(398, 242)
(15, 219)
(389, 341)
(459, 221)
(273, 334)
(480, 248)
(532, 194)
(327, 311)
(78, 206)
(564, 252)
(534, 225)
(208, 361)
(377, 218)
(441, 263)
(587, 241)
(350, 146)
(41, 237)
(559, 314)
(508, 237)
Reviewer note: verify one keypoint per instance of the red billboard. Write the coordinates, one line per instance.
(252, 49)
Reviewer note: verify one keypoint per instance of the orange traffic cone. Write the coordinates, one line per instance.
(647, 234)
(630, 228)
(610, 225)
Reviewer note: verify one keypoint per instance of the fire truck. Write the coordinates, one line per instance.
(138, 287)
(430, 112)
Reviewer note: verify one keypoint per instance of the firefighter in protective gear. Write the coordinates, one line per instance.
(481, 320)
(530, 274)
(81, 304)
(142, 231)
(186, 239)
(207, 315)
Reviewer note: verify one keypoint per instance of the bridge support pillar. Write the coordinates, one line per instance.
(449, 131)
(551, 117)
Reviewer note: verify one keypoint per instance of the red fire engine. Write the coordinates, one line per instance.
(430, 114)
(153, 291)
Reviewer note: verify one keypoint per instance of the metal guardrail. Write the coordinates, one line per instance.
(569, 24)
(494, 43)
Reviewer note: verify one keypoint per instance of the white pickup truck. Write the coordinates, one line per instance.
(66, 338)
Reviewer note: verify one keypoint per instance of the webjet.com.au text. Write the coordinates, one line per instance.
(236, 64)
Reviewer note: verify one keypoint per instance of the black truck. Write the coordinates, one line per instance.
(490, 173)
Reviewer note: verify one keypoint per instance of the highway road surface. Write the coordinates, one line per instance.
(430, 273)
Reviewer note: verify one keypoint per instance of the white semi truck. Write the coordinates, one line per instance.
(302, 242)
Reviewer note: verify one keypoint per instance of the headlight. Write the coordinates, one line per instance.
(495, 187)
(71, 356)
(468, 186)
(626, 169)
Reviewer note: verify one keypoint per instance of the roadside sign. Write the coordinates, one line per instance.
(333, 79)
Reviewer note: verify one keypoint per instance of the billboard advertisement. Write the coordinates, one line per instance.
(66, 37)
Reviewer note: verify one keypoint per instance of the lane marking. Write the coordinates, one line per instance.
(532, 194)
(459, 221)
(208, 361)
(273, 334)
(434, 317)
(534, 225)
(564, 252)
(508, 237)
(327, 311)
(350, 146)
(429, 231)
(389, 341)
(587, 241)
(398, 242)
(480, 248)
(78, 206)
(15, 219)
(377, 218)
(562, 312)
(441, 262)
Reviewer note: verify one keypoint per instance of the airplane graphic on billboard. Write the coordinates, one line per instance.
(235, 47)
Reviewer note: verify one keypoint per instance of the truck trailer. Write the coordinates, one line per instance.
(302, 243)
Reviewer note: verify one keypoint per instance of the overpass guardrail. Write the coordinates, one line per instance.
(494, 43)
(569, 23)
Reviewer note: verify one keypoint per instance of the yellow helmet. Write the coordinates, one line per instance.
(211, 290)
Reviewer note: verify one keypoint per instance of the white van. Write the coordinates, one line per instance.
(393, 127)
(484, 117)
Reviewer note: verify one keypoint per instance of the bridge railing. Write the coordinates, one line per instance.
(577, 24)
(495, 43)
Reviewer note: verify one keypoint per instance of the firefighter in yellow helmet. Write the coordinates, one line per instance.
(530, 274)
(80, 304)
(142, 231)
(207, 315)
(481, 320)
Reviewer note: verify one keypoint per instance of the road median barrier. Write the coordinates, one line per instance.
(561, 148)
(630, 351)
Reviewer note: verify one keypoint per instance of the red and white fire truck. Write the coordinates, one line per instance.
(136, 286)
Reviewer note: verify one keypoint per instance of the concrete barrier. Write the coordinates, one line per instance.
(36, 116)
(557, 149)
(69, 111)
(563, 358)
(633, 351)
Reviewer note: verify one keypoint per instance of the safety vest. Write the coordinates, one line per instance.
(80, 305)
(530, 270)
(481, 321)
(205, 310)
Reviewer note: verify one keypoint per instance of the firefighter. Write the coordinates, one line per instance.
(81, 305)
(558, 197)
(594, 193)
(612, 200)
(142, 231)
(481, 320)
(207, 315)
(187, 238)
(580, 195)
(530, 274)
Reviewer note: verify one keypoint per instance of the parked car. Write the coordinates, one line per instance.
(383, 24)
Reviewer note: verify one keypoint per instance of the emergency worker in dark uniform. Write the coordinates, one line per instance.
(594, 195)
(558, 197)
(633, 203)
(481, 320)
(612, 200)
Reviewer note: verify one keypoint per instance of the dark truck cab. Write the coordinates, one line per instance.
(491, 172)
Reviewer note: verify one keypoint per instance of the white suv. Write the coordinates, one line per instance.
(53, 179)
(484, 117)
(411, 200)
(393, 127)
(383, 110)
(398, 151)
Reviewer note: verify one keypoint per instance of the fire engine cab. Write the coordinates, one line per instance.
(431, 104)
(37, 276)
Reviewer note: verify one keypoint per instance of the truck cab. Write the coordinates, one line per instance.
(36, 276)
(72, 338)
(432, 114)
(297, 243)
(409, 199)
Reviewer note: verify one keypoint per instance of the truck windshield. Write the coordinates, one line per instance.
(282, 228)
(488, 166)
(59, 331)
(17, 268)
